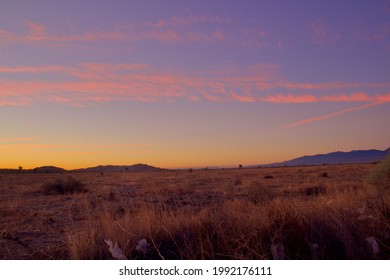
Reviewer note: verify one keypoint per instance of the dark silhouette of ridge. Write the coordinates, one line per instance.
(49, 169)
(356, 156)
(37, 170)
(119, 168)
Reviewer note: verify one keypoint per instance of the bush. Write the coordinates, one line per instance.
(380, 175)
(317, 190)
(63, 186)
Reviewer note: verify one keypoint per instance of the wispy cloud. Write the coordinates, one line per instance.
(353, 97)
(290, 98)
(174, 30)
(373, 32)
(86, 83)
(253, 37)
(32, 69)
(341, 97)
(322, 34)
(92, 83)
(243, 98)
(169, 32)
(175, 21)
(332, 115)
(35, 30)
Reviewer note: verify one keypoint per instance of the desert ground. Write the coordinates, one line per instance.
(307, 212)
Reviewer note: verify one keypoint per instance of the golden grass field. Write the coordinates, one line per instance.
(309, 212)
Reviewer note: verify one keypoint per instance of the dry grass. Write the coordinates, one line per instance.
(214, 214)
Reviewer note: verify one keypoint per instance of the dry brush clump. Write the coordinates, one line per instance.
(379, 177)
(63, 186)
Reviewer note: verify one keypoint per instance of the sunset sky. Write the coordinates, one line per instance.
(191, 83)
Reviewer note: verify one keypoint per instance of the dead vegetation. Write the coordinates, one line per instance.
(214, 214)
(63, 186)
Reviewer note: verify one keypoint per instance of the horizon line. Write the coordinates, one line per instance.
(228, 166)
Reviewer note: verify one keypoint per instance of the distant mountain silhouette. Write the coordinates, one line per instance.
(119, 168)
(358, 156)
(38, 170)
(48, 169)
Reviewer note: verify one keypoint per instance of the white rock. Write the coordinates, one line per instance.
(115, 251)
(142, 246)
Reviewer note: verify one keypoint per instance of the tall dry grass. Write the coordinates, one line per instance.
(333, 225)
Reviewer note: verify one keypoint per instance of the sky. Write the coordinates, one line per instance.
(191, 83)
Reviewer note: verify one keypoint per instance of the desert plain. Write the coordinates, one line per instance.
(303, 212)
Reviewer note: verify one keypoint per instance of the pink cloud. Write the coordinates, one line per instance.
(319, 86)
(165, 31)
(5, 36)
(354, 97)
(382, 97)
(218, 35)
(178, 21)
(194, 36)
(38, 34)
(290, 98)
(96, 82)
(165, 36)
(213, 97)
(31, 69)
(10, 103)
(243, 98)
(53, 40)
(35, 30)
(373, 33)
(310, 98)
(321, 33)
(323, 117)
(253, 37)
(173, 30)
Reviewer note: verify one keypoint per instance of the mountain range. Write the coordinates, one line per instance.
(356, 156)
(100, 168)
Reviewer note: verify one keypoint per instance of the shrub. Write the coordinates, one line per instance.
(317, 190)
(324, 175)
(63, 186)
(380, 175)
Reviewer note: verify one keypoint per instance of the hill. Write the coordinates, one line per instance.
(357, 156)
(119, 168)
(38, 170)
(48, 169)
